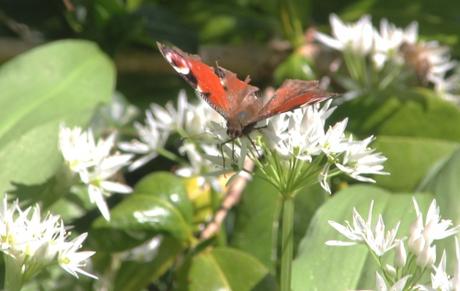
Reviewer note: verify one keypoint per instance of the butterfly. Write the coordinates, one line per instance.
(236, 100)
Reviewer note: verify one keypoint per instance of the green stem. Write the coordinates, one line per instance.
(291, 23)
(170, 155)
(287, 242)
(275, 230)
(13, 275)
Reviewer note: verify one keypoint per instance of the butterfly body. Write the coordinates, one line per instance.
(236, 100)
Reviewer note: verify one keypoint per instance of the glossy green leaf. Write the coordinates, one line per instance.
(409, 158)
(136, 275)
(168, 187)
(60, 82)
(348, 268)
(139, 217)
(419, 113)
(225, 269)
(443, 180)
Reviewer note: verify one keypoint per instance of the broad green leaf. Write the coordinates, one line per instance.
(409, 158)
(419, 113)
(256, 216)
(225, 269)
(321, 267)
(168, 187)
(137, 218)
(443, 181)
(136, 275)
(413, 131)
(60, 82)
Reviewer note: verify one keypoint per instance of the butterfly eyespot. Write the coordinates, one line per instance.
(178, 63)
(182, 70)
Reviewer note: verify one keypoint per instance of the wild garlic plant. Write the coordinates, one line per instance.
(294, 150)
(32, 243)
(94, 163)
(414, 254)
(291, 151)
(389, 58)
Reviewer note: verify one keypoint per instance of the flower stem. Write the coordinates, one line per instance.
(287, 242)
(13, 275)
(170, 155)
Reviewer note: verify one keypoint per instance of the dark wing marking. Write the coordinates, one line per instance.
(239, 93)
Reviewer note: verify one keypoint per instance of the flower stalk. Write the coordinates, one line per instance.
(13, 275)
(287, 242)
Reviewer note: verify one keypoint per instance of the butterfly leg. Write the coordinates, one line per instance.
(254, 146)
(221, 148)
(261, 127)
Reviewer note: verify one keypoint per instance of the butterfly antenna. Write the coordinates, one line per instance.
(221, 147)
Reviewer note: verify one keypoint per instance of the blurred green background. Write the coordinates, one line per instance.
(248, 36)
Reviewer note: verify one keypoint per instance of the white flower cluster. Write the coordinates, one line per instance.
(32, 243)
(430, 61)
(422, 251)
(94, 163)
(189, 120)
(302, 133)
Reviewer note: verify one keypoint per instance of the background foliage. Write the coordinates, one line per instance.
(80, 53)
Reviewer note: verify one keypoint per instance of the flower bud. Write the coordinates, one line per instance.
(416, 227)
(416, 244)
(390, 269)
(428, 231)
(427, 257)
(400, 255)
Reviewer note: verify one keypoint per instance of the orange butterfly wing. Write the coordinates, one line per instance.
(291, 95)
(200, 76)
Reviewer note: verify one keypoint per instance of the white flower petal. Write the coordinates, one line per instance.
(115, 187)
(96, 196)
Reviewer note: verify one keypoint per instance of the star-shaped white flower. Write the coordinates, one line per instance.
(434, 227)
(99, 185)
(361, 232)
(78, 147)
(357, 37)
(389, 39)
(72, 260)
(33, 243)
(98, 165)
(354, 232)
(299, 132)
(360, 159)
(151, 139)
(170, 118)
